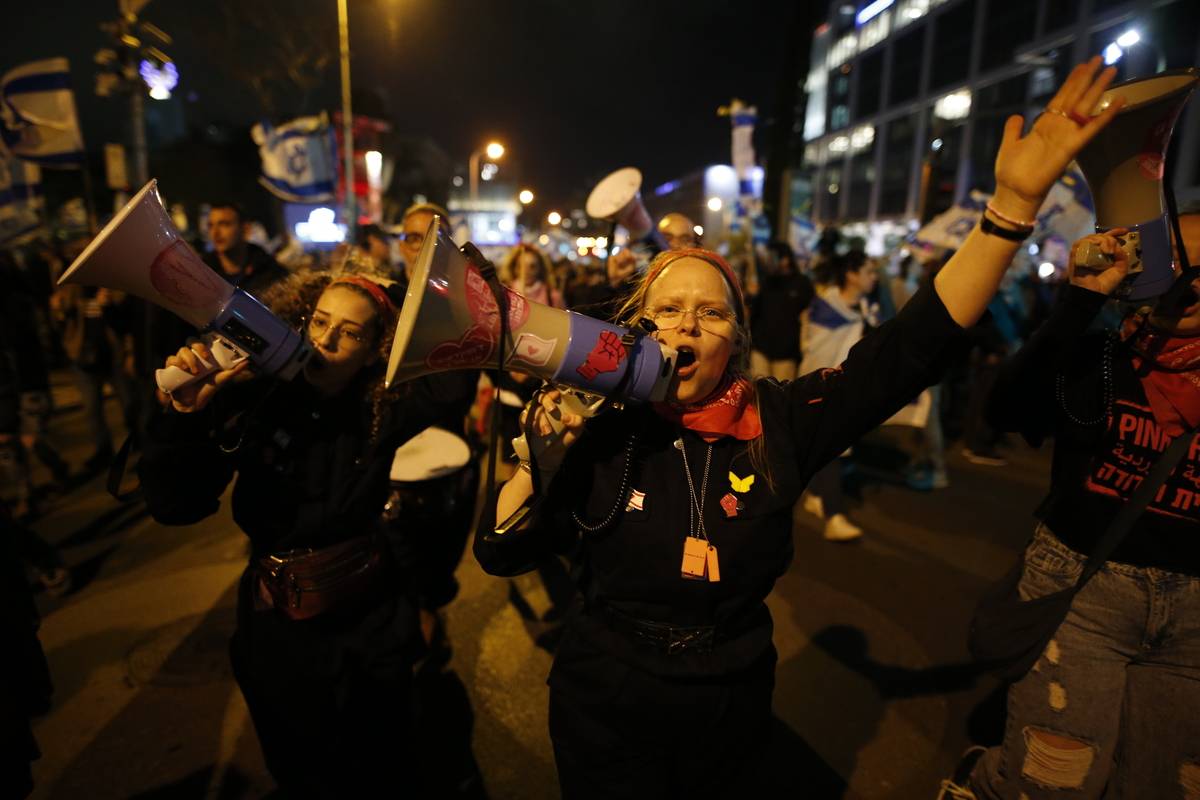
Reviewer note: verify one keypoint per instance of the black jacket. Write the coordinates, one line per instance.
(634, 564)
(308, 473)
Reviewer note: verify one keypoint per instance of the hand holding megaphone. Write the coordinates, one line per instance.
(1101, 261)
(559, 415)
(196, 374)
(214, 355)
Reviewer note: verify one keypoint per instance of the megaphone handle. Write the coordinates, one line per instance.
(612, 238)
(225, 355)
(569, 402)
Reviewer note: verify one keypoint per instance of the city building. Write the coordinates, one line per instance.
(906, 99)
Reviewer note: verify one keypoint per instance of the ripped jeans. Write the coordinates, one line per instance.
(1112, 707)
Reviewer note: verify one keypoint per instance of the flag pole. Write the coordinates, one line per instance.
(347, 121)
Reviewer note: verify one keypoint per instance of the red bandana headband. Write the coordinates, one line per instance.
(372, 288)
(709, 257)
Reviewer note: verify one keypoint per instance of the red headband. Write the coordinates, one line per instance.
(709, 257)
(372, 288)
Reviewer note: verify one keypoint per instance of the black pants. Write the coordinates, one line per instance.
(620, 732)
(330, 697)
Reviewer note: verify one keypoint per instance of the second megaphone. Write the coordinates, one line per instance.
(451, 320)
(140, 252)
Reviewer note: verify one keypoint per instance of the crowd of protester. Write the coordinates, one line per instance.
(789, 336)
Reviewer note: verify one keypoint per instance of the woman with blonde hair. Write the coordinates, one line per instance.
(679, 514)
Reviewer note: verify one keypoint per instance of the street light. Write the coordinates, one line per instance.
(554, 218)
(494, 151)
(526, 197)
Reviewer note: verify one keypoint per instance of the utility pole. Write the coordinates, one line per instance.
(347, 121)
(121, 71)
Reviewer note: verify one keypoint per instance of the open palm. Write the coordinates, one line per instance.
(1029, 165)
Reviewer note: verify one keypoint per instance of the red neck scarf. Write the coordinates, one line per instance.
(729, 411)
(1174, 395)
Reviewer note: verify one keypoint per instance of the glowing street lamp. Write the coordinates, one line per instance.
(526, 197)
(554, 218)
(494, 151)
(714, 204)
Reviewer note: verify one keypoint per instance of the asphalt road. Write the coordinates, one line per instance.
(875, 697)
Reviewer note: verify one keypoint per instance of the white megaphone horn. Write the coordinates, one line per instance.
(1125, 169)
(451, 320)
(617, 198)
(140, 252)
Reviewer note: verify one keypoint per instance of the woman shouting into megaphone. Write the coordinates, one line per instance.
(680, 514)
(327, 627)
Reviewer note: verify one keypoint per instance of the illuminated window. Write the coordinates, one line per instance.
(875, 31)
(910, 10)
(843, 51)
(956, 105)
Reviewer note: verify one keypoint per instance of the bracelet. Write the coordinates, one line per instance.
(1016, 223)
(525, 465)
(992, 229)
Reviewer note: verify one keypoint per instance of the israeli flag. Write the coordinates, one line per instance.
(37, 109)
(20, 199)
(951, 228)
(299, 159)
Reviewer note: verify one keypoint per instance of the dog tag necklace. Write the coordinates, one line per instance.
(699, 554)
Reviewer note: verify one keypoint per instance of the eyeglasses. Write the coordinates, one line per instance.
(318, 327)
(711, 319)
(412, 238)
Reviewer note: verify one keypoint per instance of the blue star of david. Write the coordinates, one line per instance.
(297, 161)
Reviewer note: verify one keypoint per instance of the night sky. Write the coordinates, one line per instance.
(574, 88)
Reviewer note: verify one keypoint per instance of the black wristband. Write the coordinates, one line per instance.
(992, 229)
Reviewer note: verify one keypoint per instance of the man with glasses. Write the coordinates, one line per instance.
(413, 229)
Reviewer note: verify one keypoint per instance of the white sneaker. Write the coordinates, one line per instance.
(813, 505)
(840, 529)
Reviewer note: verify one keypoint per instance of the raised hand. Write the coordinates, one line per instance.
(1027, 166)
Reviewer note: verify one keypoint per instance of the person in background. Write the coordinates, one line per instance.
(25, 386)
(784, 293)
(378, 245)
(678, 231)
(90, 319)
(29, 689)
(414, 225)
(241, 262)
(528, 272)
(835, 321)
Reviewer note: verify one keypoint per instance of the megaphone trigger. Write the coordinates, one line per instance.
(225, 355)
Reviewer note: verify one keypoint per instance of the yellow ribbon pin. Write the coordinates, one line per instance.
(740, 485)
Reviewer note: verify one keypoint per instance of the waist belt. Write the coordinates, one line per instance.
(307, 582)
(664, 637)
